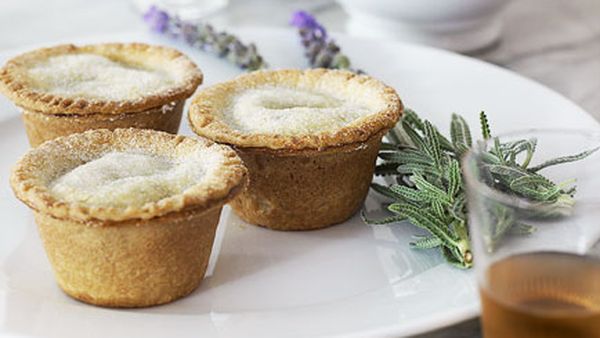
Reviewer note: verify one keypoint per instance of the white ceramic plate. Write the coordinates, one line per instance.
(348, 280)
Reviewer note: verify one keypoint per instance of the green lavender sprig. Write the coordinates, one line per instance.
(430, 192)
(204, 37)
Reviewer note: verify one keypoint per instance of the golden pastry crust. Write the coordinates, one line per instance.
(34, 172)
(42, 127)
(306, 190)
(14, 81)
(134, 263)
(205, 119)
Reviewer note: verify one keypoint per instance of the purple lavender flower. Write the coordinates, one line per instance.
(204, 37)
(320, 50)
(303, 20)
(157, 19)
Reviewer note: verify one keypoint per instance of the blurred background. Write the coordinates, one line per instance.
(555, 42)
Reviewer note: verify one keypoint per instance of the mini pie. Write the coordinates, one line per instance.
(128, 217)
(69, 89)
(309, 139)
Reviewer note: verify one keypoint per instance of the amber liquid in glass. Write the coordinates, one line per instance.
(543, 294)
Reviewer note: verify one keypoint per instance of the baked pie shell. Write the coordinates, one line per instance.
(306, 190)
(137, 257)
(47, 116)
(13, 81)
(300, 182)
(130, 264)
(41, 127)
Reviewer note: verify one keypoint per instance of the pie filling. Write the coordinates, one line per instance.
(128, 179)
(94, 76)
(293, 111)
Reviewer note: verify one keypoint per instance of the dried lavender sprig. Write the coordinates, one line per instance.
(320, 49)
(204, 37)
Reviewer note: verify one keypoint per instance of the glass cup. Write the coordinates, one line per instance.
(534, 253)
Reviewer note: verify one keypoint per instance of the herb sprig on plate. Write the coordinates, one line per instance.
(204, 37)
(430, 193)
(320, 49)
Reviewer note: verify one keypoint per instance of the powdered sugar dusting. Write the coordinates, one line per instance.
(129, 179)
(94, 76)
(292, 111)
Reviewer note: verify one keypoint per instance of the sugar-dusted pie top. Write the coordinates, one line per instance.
(129, 179)
(104, 78)
(96, 77)
(128, 173)
(294, 109)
